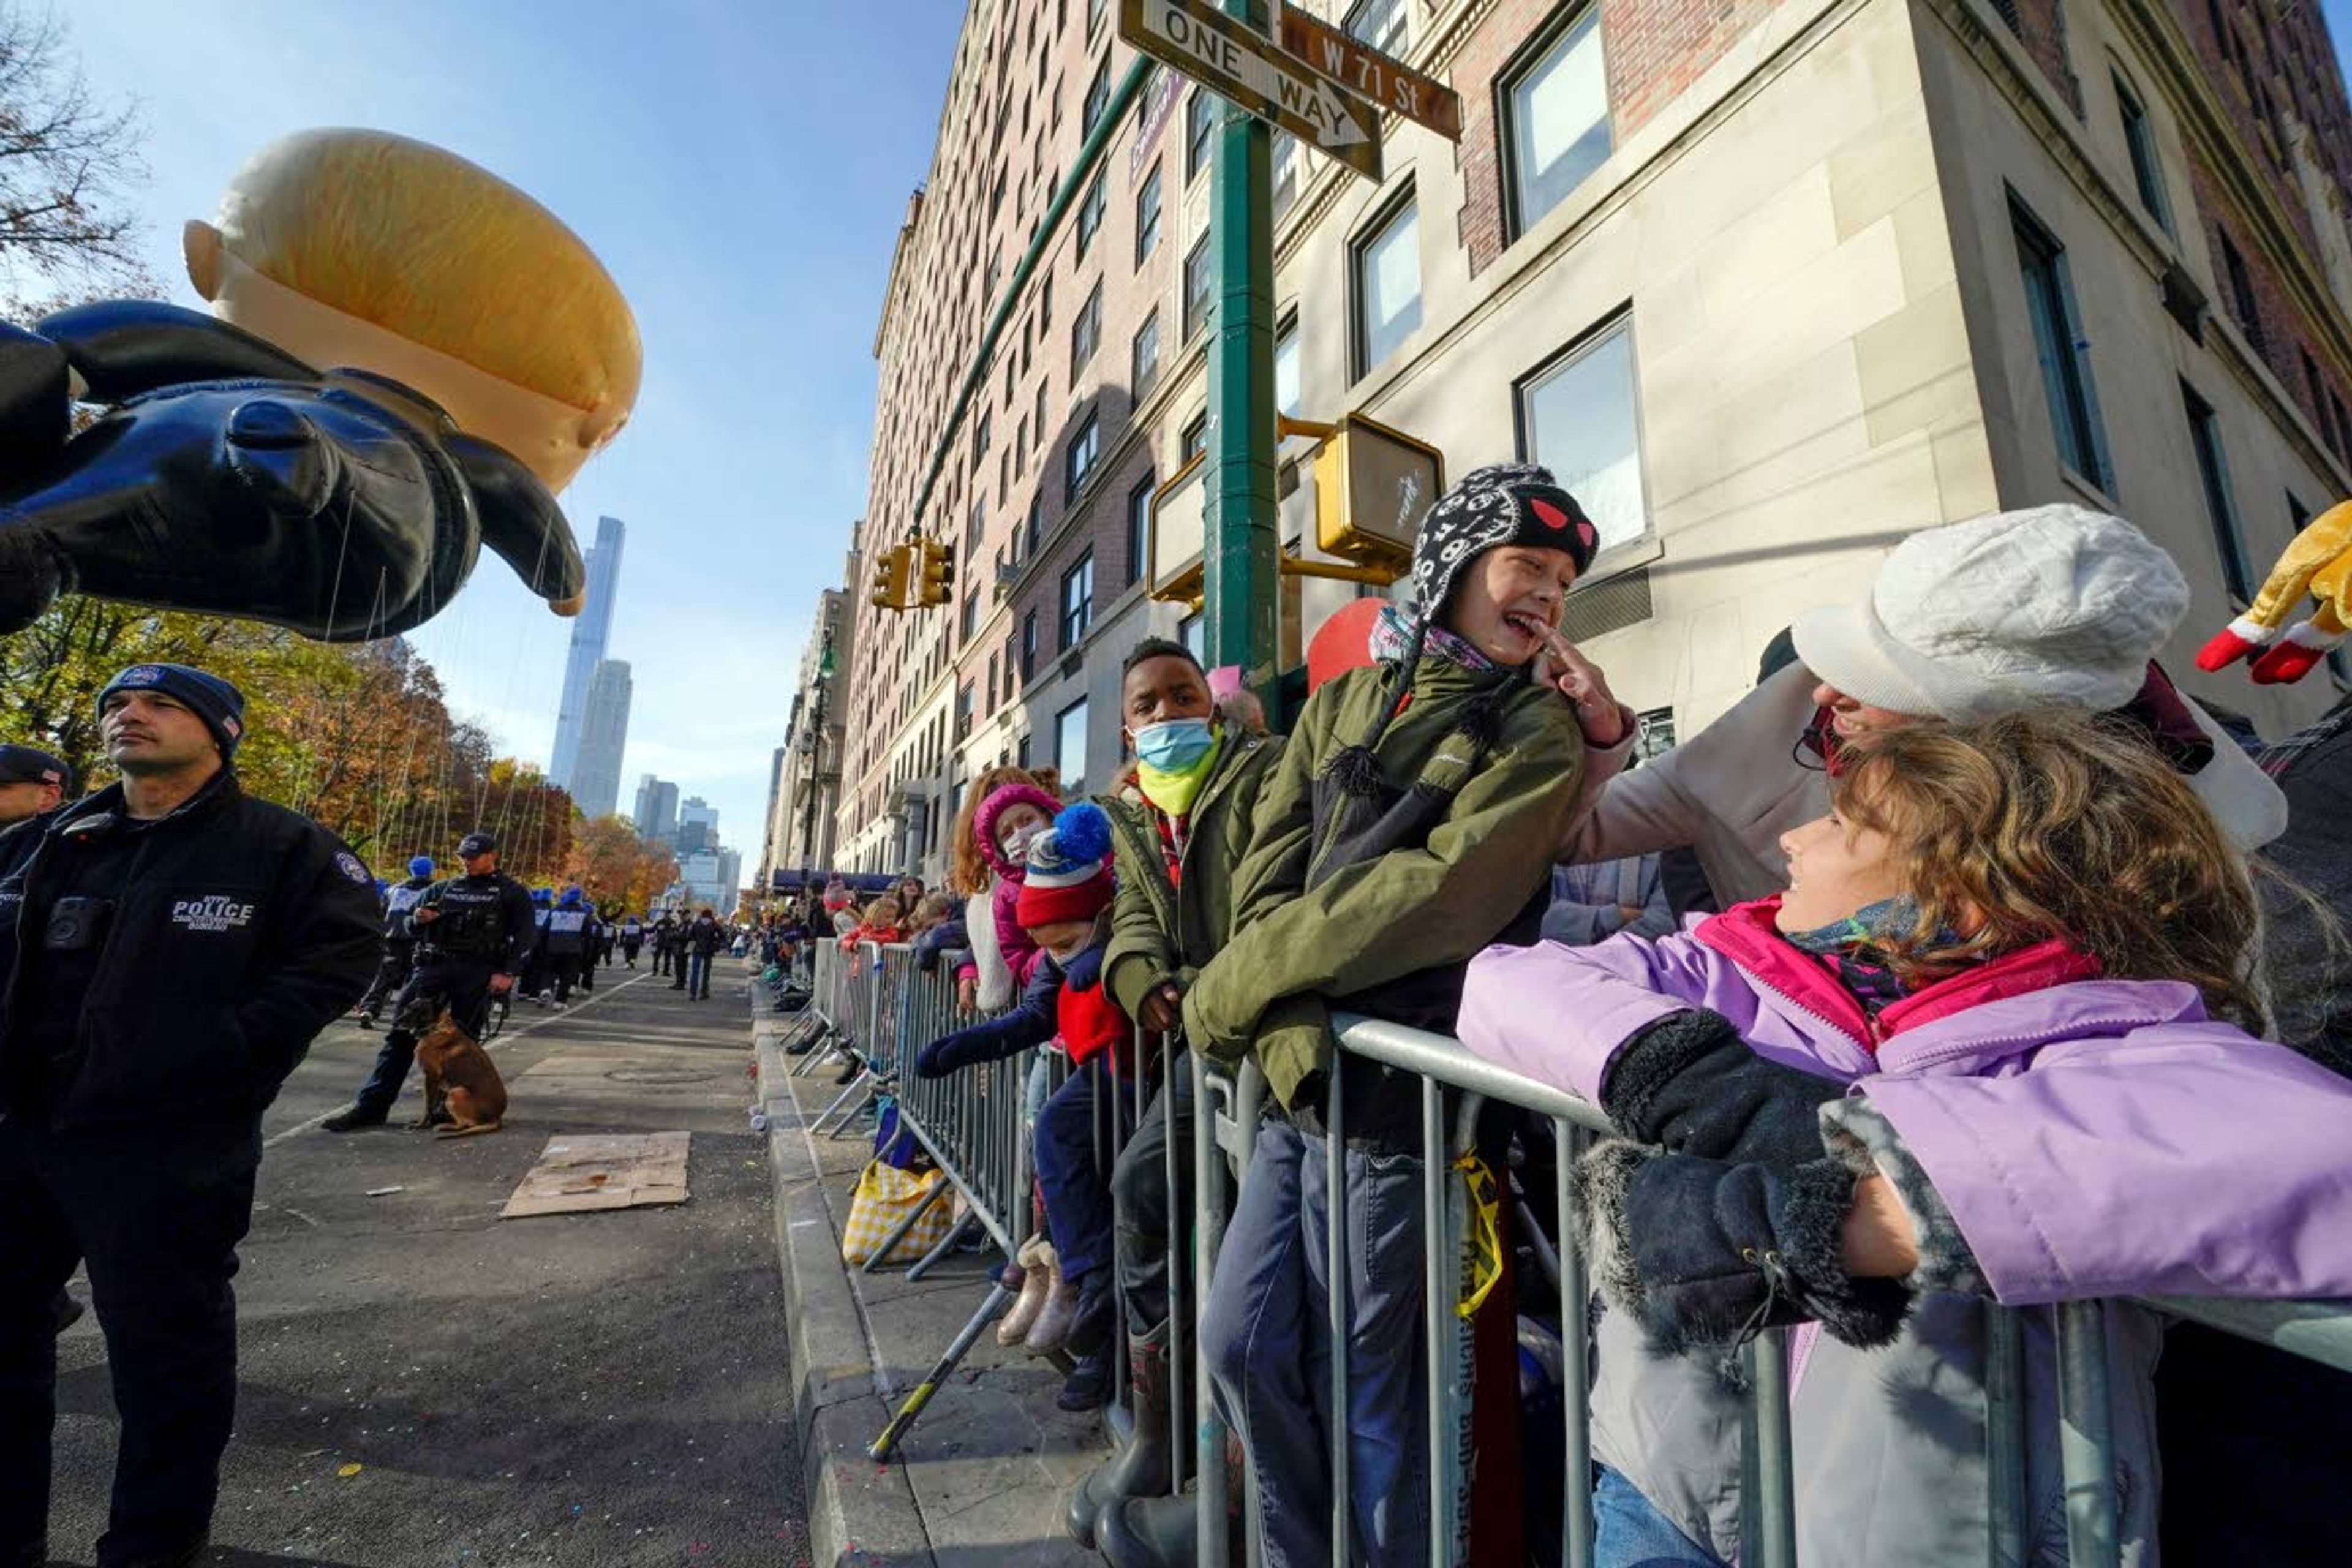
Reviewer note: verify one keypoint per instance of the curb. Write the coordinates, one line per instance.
(861, 1514)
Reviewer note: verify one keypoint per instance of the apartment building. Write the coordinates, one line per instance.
(805, 774)
(1768, 285)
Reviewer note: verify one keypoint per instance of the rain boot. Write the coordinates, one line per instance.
(1165, 1531)
(1052, 1328)
(1038, 1280)
(1141, 1467)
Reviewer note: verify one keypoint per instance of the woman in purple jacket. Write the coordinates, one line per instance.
(1988, 1047)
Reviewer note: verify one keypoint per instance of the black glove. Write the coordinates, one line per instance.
(1690, 1085)
(1706, 1252)
(948, 1052)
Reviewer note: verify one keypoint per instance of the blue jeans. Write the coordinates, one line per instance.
(697, 975)
(1267, 1334)
(1629, 1532)
(1073, 1174)
(463, 988)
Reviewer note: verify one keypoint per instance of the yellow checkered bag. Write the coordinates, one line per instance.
(884, 1196)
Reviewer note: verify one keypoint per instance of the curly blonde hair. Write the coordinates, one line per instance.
(968, 869)
(2036, 825)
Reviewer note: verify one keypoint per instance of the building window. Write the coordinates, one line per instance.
(1386, 265)
(1143, 363)
(1077, 601)
(1196, 289)
(1379, 22)
(1045, 301)
(1557, 106)
(1653, 733)
(1200, 120)
(2063, 350)
(1078, 461)
(1285, 160)
(1146, 216)
(1193, 633)
(964, 711)
(2220, 513)
(1028, 647)
(995, 272)
(1578, 417)
(1041, 437)
(1096, 11)
(980, 442)
(1098, 99)
(1286, 366)
(970, 622)
(1090, 214)
(1194, 439)
(1035, 526)
(1086, 332)
(2244, 306)
(1070, 747)
(1138, 528)
(2139, 139)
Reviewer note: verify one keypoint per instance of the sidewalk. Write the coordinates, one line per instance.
(981, 1478)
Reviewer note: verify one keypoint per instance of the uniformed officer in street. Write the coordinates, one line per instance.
(399, 945)
(169, 947)
(32, 784)
(472, 934)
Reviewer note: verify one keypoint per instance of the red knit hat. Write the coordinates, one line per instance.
(1068, 877)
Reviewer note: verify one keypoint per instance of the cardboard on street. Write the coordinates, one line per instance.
(577, 1175)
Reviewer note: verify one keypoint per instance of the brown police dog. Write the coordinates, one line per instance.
(461, 1082)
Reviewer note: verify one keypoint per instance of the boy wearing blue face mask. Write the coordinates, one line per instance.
(1178, 832)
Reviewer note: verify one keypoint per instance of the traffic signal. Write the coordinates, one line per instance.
(892, 570)
(935, 572)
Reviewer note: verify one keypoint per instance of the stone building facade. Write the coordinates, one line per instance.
(1769, 284)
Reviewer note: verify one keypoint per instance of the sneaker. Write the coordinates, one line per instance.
(365, 1020)
(350, 1119)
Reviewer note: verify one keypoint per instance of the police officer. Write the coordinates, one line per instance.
(169, 946)
(32, 784)
(564, 942)
(471, 934)
(399, 946)
(633, 939)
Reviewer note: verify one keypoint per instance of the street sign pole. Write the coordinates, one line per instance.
(1240, 553)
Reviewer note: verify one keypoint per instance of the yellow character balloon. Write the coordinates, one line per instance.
(2318, 563)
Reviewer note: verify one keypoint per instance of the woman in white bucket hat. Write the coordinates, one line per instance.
(2053, 606)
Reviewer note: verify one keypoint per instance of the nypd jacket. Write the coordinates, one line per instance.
(238, 930)
(487, 919)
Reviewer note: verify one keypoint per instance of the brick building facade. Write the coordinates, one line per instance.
(1768, 284)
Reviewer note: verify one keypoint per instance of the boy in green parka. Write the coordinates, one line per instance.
(1179, 831)
(1409, 823)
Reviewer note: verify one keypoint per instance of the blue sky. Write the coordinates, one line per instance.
(742, 170)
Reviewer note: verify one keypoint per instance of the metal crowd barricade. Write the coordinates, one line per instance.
(972, 1125)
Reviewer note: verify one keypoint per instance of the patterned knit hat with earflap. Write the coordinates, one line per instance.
(1069, 869)
(1504, 503)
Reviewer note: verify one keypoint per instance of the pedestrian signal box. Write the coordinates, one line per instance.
(934, 572)
(1373, 486)
(1179, 532)
(893, 578)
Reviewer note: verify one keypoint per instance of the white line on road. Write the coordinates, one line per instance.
(504, 1039)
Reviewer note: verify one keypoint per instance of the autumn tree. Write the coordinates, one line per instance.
(619, 871)
(68, 160)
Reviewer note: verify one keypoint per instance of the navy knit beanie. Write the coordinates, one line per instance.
(220, 705)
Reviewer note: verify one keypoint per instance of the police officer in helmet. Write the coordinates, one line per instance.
(472, 933)
(399, 946)
(169, 946)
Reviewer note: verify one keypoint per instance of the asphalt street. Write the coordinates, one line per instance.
(421, 1382)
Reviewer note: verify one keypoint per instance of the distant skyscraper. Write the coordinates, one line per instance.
(656, 813)
(596, 774)
(697, 826)
(589, 631)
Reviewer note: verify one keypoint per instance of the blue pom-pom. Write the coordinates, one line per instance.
(1082, 831)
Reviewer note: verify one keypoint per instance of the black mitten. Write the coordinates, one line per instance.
(1705, 1252)
(1689, 1084)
